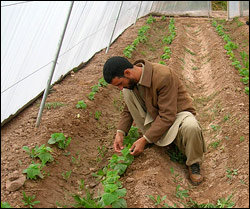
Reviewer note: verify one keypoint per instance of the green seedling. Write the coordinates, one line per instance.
(81, 105)
(5, 205)
(162, 62)
(215, 144)
(97, 115)
(242, 138)
(157, 200)
(95, 88)
(66, 175)
(33, 171)
(189, 51)
(163, 18)
(225, 203)
(231, 173)
(54, 105)
(41, 152)
(28, 200)
(91, 95)
(60, 139)
(102, 82)
(181, 193)
(215, 127)
(76, 161)
(226, 117)
(150, 19)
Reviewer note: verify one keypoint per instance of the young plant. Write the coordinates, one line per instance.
(181, 193)
(91, 95)
(81, 105)
(28, 200)
(54, 105)
(60, 139)
(5, 205)
(158, 199)
(33, 171)
(102, 82)
(150, 19)
(42, 152)
(97, 115)
(66, 175)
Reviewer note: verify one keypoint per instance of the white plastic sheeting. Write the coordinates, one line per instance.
(31, 31)
(238, 8)
(187, 8)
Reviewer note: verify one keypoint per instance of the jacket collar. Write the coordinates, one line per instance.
(147, 75)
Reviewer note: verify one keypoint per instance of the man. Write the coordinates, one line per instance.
(159, 105)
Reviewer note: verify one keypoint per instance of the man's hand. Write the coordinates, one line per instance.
(138, 146)
(118, 143)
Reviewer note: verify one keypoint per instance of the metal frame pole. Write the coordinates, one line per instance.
(114, 27)
(52, 71)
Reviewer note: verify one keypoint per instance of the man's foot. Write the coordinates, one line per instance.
(194, 174)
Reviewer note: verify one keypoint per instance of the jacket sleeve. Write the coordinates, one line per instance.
(167, 94)
(126, 120)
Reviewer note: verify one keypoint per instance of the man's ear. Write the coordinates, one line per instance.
(127, 73)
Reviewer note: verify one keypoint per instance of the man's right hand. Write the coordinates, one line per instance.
(118, 143)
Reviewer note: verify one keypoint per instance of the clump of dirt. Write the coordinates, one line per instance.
(199, 57)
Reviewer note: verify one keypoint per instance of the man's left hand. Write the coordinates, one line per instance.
(138, 146)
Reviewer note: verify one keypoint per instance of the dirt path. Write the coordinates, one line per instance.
(199, 57)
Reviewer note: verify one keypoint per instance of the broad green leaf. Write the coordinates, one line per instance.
(121, 192)
(121, 168)
(52, 141)
(109, 198)
(120, 203)
(110, 188)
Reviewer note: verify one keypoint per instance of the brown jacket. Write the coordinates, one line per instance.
(165, 96)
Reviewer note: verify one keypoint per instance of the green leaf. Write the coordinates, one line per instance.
(110, 188)
(120, 203)
(52, 141)
(121, 192)
(121, 168)
(5, 205)
(109, 198)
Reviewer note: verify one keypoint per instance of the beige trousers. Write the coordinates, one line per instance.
(186, 131)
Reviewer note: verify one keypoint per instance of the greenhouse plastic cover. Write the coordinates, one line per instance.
(31, 32)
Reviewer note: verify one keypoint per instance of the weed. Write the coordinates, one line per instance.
(97, 115)
(231, 172)
(181, 193)
(5, 205)
(242, 138)
(27, 200)
(215, 127)
(189, 51)
(66, 175)
(215, 144)
(226, 117)
(54, 105)
(157, 200)
(176, 155)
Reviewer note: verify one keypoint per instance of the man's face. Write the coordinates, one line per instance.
(124, 82)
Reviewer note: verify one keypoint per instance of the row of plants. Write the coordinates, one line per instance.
(109, 175)
(168, 40)
(241, 65)
(141, 37)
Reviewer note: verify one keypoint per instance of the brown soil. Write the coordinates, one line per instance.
(222, 109)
